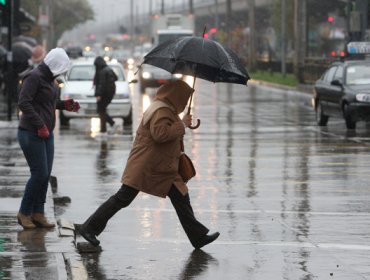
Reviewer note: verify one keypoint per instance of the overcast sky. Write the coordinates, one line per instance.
(117, 12)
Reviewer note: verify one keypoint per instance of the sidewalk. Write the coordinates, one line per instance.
(29, 254)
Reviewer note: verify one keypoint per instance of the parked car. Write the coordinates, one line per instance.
(78, 85)
(343, 91)
(151, 76)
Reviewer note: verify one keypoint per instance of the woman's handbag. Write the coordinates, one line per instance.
(186, 168)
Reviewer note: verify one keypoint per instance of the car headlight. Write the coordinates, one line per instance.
(363, 97)
(146, 75)
(130, 61)
(177, 76)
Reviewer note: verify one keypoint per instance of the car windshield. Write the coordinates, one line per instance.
(358, 74)
(87, 72)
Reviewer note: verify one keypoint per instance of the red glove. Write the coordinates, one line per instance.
(43, 132)
(71, 105)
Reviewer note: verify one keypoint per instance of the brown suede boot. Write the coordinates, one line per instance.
(40, 220)
(25, 221)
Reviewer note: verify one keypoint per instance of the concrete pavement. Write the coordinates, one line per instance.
(34, 254)
(30, 254)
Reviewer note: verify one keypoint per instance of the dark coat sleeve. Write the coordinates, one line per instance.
(60, 105)
(26, 97)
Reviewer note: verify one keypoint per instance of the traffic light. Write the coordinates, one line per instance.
(330, 19)
(2, 2)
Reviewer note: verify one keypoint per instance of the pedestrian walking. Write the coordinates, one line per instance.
(152, 166)
(105, 88)
(38, 99)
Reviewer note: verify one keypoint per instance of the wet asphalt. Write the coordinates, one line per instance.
(290, 200)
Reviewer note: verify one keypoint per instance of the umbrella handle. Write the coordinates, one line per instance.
(195, 126)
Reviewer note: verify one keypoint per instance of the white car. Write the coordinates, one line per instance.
(78, 85)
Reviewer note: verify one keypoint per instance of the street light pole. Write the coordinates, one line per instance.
(11, 78)
(217, 19)
(283, 35)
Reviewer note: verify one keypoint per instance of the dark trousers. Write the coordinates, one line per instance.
(103, 115)
(97, 222)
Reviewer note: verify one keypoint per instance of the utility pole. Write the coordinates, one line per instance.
(283, 37)
(10, 81)
(300, 40)
(191, 7)
(132, 24)
(217, 17)
(252, 35)
(228, 22)
(162, 7)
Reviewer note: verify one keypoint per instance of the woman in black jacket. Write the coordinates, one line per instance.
(38, 99)
(105, 88)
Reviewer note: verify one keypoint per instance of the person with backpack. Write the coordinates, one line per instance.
(105, 89)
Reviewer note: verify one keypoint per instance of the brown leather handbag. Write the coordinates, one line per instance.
(186, 167)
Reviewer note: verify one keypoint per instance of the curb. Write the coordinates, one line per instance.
(303, 93)
(71, 263)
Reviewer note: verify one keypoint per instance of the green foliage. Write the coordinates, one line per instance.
(275, 77)
(65, 14)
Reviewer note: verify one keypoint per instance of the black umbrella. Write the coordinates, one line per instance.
(198, 57)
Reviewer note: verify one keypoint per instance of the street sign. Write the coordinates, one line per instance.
(358, 48)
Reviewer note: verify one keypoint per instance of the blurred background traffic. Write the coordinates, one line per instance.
(298, 37)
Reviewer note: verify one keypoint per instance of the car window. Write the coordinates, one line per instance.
(338, 75)
(87, 72)
(358, 75)
(330, 74)
(81, 73)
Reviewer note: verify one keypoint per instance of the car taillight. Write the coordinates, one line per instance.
(333, 54)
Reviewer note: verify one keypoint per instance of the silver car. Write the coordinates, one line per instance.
(78, 84)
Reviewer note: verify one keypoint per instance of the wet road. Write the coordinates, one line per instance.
(291, 200)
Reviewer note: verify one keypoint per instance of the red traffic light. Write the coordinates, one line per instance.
(213, 30)
(330, 19)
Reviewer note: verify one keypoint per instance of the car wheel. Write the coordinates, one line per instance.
(350, 123)
(321, 118)
(127, 121)
(64, 121)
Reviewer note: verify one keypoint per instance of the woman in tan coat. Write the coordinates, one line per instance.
(152, 166)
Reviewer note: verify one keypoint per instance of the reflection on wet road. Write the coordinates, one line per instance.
(291, 200)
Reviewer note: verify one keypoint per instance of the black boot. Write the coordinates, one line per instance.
(89, 237)
(206, 239)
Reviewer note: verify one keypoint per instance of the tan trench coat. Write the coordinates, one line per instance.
(152, 166)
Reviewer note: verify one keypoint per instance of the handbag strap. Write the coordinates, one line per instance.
(182, 145)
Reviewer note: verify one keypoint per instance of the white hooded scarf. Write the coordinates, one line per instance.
(58, 61)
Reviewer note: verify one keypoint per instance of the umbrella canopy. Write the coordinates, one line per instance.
(199, 57)
(26, 39)
(22, 52)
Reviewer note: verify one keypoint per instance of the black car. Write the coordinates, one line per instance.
(343, 91)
